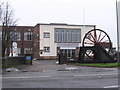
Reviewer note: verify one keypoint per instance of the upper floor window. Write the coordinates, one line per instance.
(28, 36)
(46, 35)
(15, 36)
(67, 35)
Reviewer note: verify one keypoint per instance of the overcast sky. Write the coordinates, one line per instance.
(101, 13)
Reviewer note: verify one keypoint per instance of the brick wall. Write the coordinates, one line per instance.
(36, 35)
(22, 43)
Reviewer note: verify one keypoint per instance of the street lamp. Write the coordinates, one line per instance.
(118, 27)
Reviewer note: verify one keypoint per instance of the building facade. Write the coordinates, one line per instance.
(50, 39)
(23, 37)
(46, 41)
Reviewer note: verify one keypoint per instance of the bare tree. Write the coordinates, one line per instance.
(7, 23)
(1, 11)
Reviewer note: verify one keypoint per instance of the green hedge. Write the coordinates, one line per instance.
(12, 61)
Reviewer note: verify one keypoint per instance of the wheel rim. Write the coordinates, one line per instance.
(96, 37)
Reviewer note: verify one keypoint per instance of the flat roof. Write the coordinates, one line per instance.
(65, 24)
(20, 26)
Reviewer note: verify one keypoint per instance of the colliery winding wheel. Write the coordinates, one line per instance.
(96, 46)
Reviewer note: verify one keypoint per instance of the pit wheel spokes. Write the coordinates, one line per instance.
(97, 37)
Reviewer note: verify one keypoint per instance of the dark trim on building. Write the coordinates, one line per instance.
(63, 24)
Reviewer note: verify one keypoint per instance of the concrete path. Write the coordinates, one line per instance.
(47, 65)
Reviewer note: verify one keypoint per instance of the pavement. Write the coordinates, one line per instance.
(51, 66)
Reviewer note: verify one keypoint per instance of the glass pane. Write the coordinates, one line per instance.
(67, 35)
(68, 52)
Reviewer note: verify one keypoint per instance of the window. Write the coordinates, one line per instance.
(28, 51)
(46, 35)
(18, 50)
(28, 36)
(46, 49)
(15, 36)
(67, 35)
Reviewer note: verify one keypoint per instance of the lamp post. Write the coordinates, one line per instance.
(118, 27)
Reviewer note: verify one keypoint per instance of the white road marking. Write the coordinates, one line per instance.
(115, 86)
(95, 75)
(71, 68)
(26, 77)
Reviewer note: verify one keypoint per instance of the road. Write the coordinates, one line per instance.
(61, 76)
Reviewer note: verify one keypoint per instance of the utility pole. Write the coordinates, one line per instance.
(84, 18)
(118, 27)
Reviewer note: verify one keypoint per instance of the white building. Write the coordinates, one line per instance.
(49, 39)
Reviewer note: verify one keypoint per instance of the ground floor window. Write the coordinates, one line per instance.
(18, 50)
(46, 49)
(28, 50)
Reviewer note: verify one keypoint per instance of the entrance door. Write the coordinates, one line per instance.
(70, 53)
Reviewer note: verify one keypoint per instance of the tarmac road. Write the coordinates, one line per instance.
(46, 74)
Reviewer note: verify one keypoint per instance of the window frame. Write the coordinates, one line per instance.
(66, 36)
(18, 50)
(30, 50)
(28, 36)
(15, 36)
(46, 34)
(46, 49)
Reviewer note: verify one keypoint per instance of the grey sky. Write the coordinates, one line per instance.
(101, 13)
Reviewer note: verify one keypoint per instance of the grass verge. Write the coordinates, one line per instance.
(103, 65)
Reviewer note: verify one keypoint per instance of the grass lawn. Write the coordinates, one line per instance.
(104, 65)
